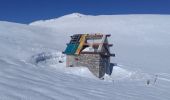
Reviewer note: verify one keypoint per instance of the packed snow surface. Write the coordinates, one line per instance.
(33, 67)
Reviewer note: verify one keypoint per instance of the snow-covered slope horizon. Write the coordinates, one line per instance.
(139, 40)
(141, 44)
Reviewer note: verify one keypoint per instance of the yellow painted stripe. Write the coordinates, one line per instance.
(82, 40)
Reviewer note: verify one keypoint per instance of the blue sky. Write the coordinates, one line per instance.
(26, 11)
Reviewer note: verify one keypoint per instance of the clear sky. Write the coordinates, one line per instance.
(26, 11)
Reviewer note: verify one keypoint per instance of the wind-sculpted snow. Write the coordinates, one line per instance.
(33, 67)
(48, 57)
(20, 80)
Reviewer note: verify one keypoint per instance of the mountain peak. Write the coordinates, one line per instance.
(65, 17)
(73, 15)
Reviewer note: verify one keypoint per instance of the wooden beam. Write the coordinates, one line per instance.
(108, 35)
(102, 53)
(108, 52)
(101, 45)
(110, 45)
(87, 52)
(113, 55)
(94, 36)
(82, 41)
(97, 44)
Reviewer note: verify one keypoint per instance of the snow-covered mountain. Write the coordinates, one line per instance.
(141, 44)
(139, 40)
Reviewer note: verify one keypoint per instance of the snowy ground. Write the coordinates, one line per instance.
(141, 44)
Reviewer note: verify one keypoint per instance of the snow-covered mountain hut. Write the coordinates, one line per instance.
(89, 50)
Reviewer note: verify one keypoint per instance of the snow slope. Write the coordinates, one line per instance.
(140, 41)
(30, 57)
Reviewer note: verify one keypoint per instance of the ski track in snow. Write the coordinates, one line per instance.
(30, 55)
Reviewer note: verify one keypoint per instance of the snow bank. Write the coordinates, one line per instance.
(80, 71)
(89, 49)
(120, 73)
(57, 60)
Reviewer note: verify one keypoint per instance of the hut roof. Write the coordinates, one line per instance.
(81, 42)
